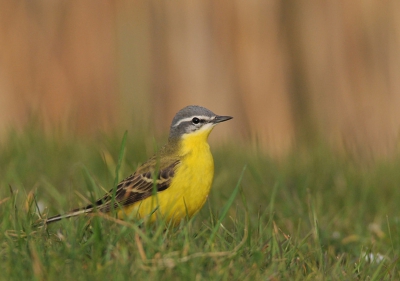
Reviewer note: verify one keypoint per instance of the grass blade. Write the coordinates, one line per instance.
(117, 168)
(226, 207)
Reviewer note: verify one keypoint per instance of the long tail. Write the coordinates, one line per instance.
(70, 214)
(73, 213)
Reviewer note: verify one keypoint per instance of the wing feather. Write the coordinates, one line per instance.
(137, 187)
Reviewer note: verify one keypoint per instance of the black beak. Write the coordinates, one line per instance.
(219, 119)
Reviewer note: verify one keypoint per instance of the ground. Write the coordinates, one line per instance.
(314, 215)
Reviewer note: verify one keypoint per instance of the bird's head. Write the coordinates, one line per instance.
(194, 120)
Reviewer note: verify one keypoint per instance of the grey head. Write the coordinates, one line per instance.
(193, 118)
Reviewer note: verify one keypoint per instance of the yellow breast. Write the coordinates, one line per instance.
(190, 186)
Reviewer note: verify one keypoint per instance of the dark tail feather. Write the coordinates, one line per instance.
(70, 214)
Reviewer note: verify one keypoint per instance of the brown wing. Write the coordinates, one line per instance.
(137, 187)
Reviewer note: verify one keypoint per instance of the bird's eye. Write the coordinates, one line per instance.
(196, 120)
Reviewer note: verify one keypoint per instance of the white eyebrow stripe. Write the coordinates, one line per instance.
(190, 119)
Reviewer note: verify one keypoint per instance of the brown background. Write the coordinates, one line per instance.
(290, 72)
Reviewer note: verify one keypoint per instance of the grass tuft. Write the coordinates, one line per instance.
(311, 216)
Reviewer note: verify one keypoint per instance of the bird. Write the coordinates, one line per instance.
(173, 184)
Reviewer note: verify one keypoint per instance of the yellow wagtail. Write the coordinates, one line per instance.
(174, 183)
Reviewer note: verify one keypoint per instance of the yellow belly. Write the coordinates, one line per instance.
(189, 188)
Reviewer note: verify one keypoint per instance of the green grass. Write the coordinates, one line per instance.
(310, 216)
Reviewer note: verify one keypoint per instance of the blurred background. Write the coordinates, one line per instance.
(292, 74)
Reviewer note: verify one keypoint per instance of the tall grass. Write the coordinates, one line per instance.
(311, 216)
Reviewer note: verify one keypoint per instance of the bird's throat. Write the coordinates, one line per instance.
(195, 141)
